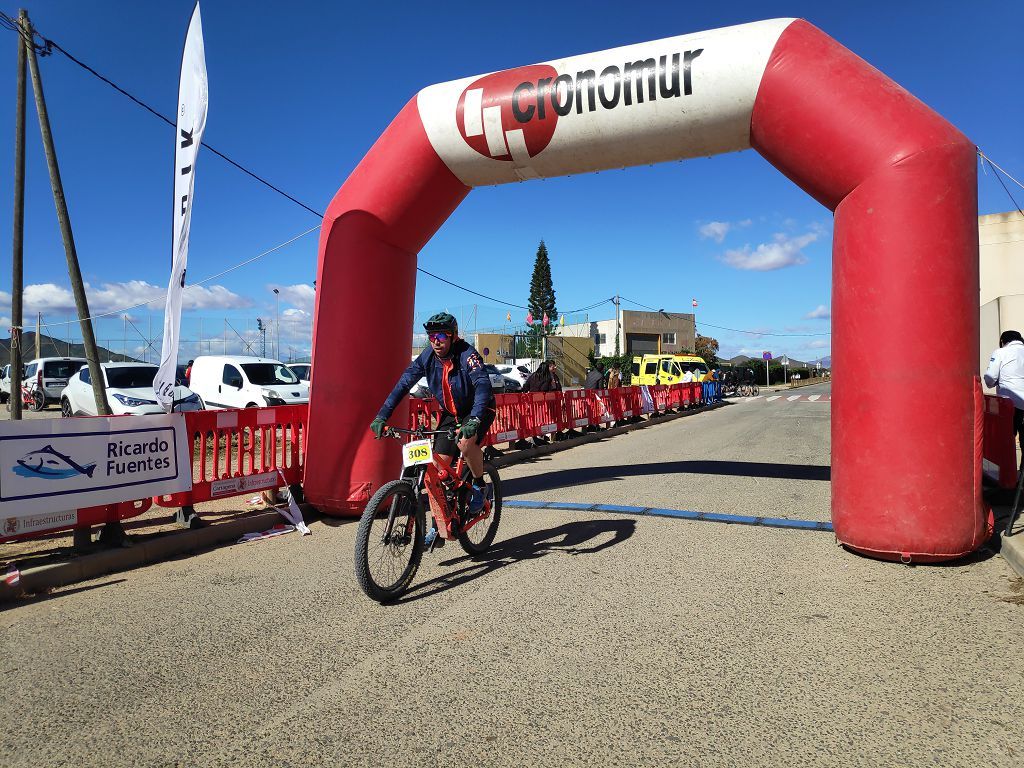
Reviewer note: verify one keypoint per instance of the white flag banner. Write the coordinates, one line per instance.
(193, 96)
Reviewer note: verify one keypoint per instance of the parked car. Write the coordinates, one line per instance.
(50, 375)
(301, 370)
(5, 383)
(519, 373)
(129, 392)
(497, 380)
(236, 381)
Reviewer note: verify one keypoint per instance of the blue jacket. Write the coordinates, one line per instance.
(469, 384)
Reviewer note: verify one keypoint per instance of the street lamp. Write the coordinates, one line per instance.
(277, 323)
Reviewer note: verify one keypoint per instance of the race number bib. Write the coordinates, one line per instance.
(417, 452)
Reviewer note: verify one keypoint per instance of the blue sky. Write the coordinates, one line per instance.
(298, 93)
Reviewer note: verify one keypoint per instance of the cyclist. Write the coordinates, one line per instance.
(457, 378)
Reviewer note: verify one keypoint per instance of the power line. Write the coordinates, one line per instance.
(724, 328)
(995, 172)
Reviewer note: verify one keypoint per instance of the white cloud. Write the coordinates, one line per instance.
(715, 230)
(50, 298)
(783, 251)
(820, 313)
(299, 295)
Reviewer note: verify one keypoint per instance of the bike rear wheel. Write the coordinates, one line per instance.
(389, 541)
(480, 536)
(38, 401)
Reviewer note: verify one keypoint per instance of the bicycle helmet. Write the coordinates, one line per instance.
(442, 321)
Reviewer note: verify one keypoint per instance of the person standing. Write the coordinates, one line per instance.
(615, 378)
(595, 377)
(1005, 373)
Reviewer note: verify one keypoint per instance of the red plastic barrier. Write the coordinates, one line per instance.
(599, 406)
(575, 411)
(544, 412)
(660, 396)
(1000, 445)
(241, 451)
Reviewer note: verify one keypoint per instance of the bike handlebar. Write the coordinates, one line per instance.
(397, 432)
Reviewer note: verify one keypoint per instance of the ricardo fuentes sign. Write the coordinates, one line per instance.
(52, 466)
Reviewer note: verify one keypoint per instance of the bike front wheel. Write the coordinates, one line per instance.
(389, 541)
(478, 538)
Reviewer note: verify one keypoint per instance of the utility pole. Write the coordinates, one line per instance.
(74, 272)
(19, 224)
(277, 326)
(617, 349)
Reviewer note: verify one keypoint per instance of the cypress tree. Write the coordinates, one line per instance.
(542, 298)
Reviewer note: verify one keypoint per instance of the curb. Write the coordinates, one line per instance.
(167, 546)
(1012, 550)
(157, 549)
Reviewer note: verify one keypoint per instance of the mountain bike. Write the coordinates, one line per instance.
(390, 537)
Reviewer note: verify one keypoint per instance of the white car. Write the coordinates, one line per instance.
(5, 383)
(301, 370)
(238, 381)
(129, 392)
(519, 373)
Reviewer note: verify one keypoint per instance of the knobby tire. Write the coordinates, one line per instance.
(478, 539)
(371, 549)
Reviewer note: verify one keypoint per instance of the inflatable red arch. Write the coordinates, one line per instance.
(901, 180)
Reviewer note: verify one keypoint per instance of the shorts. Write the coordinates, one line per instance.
(451, 447)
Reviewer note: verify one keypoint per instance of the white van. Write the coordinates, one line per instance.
(50, 375)
(235, 381)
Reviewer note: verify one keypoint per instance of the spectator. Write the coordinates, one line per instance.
(615, 378)
(188, 372)
(595, 377)
(687, 376)
(544, 379)
(1005, 373)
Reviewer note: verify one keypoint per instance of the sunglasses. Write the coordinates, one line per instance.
(439, 337)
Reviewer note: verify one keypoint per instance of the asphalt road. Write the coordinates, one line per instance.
(584, 638)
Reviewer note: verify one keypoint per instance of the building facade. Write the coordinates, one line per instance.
(1001, 272)
(639, 332)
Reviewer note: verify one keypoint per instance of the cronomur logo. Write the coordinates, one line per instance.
(49, 464)
(512, 115)
(487, 117)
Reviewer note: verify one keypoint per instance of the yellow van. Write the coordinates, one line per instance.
(668, 369)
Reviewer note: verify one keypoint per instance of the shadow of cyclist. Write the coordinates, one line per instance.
(579, 538)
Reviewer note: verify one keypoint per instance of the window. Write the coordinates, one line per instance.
(232, 376)
(262, 374)
(650, 368)
(668, 338)
(131, 377)
(666, 366)
(30, 370)
(600, 338)
(83, 374)
(61, 369)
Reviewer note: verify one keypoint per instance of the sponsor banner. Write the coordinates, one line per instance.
(44, 521)
(581, 422)
(234, 485)
(680, 97)
(504, 437)
(60, 464)
(547, 429)
(193, 98)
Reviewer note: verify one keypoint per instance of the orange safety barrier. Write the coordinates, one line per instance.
(241, 451)
(999, 443)
(660, 396)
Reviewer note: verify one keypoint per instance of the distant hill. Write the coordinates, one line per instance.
(51, 347)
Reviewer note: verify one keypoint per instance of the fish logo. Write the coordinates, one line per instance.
(50, 464)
